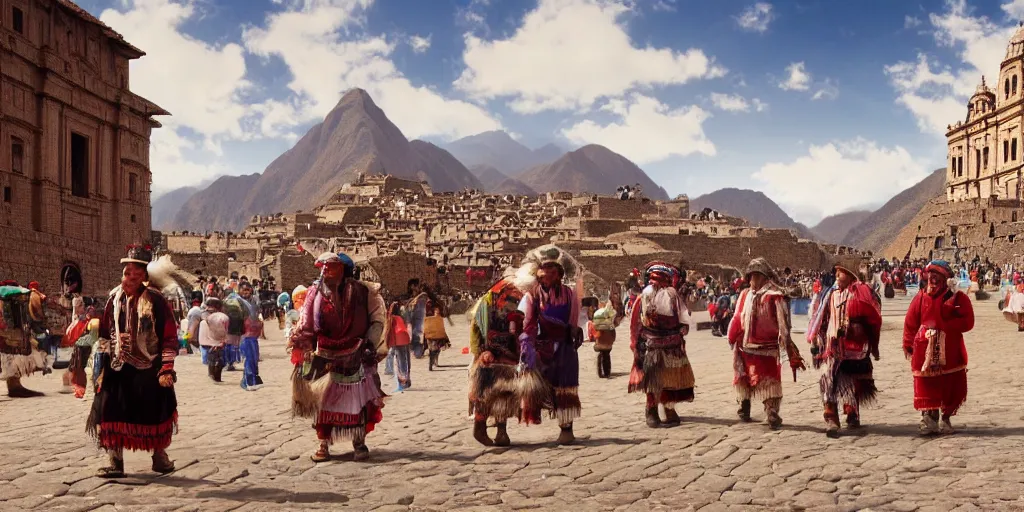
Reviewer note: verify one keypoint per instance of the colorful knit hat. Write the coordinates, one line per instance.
(662, 273)
(940, 266)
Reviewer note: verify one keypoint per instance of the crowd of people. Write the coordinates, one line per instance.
(525, 334)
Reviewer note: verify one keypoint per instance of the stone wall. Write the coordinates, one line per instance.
(779, 246)
(27, 255)
(602, 227)
(396, 271)
(212, 242)
(614, 208)
(985, 228)
(208, 264)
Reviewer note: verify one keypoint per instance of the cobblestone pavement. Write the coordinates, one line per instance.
(240, 450)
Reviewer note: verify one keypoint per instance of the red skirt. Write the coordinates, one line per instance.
(946, 392)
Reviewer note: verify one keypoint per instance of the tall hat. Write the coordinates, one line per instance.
(526, 277)
(141, 254)
(845, 267)
(760, 266)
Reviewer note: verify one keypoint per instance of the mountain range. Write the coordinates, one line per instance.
(752, 205)
(357, 137)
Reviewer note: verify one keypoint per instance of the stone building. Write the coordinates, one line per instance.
(985, 150)
(74, 146)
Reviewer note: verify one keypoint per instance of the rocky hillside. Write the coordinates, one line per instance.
(356, 137)
(590, 169)
(833, 229)
(499, 150)
(167, 206)
(497, 182)
(204, 209)
(757, 208)
(880, 228)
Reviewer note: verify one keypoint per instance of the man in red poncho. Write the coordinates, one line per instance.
(843, 333)
(933, 341)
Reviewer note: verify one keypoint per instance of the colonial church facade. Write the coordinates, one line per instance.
(74, 147)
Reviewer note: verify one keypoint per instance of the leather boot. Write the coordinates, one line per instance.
(852, 416)
(831, 420)
(771, 413)
(501, 438)
(162, 463)
(116, 467)
(671, 418)
(360, 451)
(217, 372)
(600, 365)
(653, 420)
(566, 437)
(744, 411)
(480, 432)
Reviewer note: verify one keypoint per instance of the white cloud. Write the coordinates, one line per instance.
(736, 103)
(200, 84)
(568, 54)
(665, 5)
(319, 42)
(838, 176)
(1014, 9)
(911, 21)
(420, 44)
(937, 95)
(756, 18)
(828, 90)
(797, 79)
(647, 130)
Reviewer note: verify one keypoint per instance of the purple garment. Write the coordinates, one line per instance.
(563, 369)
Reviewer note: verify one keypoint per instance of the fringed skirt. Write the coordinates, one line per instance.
(664, 372)
(493, 391)
(342, 407)
(554, 386)
(131, 410)
(757, 376)
(14, 366)
(437, 345)
(946, 392)
(850, 381)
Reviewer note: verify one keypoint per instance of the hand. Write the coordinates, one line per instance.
(797, 364)
(908, 352)
(167, 380)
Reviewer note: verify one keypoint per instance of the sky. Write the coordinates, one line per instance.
(824, 105)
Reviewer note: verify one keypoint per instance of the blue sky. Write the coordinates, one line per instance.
(824, 105)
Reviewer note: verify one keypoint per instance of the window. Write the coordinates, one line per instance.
(1013, 85)
(18, 19)
(959, 166)
(1006, 89)
(1013, 150)
(133, 218)
(79, 165)
(7, 194)
(1006, 151)
(984, 158)
(977, 163)
(133, 185)
(17, 155)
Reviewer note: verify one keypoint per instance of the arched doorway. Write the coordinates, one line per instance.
(70, 279)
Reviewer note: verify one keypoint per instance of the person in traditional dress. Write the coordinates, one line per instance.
(494, 342)
(933, 341)
(601, 329)
(82, 335)
(20, 355)
(843, 334)
(758, 336)
(657, 329)
(135, 407)
(549, 378)
(415, 314)
(435, 336)
(250, 346)
(212, 335)
(399, 342)
(340, 334)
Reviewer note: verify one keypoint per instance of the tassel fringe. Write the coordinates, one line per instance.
(128, 436)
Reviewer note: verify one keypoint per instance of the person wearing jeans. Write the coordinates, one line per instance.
(250, 346)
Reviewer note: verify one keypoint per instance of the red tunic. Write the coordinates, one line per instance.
(938, 362)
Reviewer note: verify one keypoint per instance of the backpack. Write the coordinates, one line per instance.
(236, 316)
(14, 321)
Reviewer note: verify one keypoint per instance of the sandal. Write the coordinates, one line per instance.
(323, 454)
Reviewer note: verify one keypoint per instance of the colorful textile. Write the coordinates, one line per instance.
(657, 328)
(933, 338)
(495, 390)
(844, 332)
(547, 347)
(131, 409)
(759, 333)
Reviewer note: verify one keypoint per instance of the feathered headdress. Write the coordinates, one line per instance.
(526, 277)
(165, 276)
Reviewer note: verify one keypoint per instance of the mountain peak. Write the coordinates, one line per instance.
(355, 95)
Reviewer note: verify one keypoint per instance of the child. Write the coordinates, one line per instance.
(435, 335)
(399, 343)
(603, 327)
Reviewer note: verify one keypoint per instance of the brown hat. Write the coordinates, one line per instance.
(760, 266)
(140, 254)
(846, 268)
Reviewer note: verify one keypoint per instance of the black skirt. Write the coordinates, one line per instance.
(132, 410)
